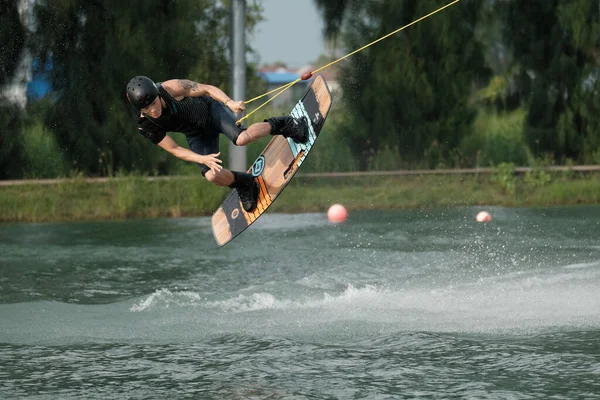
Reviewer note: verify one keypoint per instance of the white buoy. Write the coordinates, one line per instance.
(484, 216)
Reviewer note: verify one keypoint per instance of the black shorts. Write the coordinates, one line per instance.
(221, 120)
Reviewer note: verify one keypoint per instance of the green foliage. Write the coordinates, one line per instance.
(496, 137)
(411, 92)
(12, 42)
(124, 196)
(333, 12)
(42, 157)
(495, 94)
(596, 157)
(538, 176)
(555, 43)
(411, 89)
(12, 39)
(11, 152)
(504, 177)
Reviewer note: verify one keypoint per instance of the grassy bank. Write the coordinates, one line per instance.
(137, 197)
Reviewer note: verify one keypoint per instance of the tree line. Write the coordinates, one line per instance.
(481, 83)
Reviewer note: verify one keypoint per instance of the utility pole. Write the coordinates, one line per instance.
(237, 155)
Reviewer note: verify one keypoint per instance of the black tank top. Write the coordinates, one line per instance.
(189, 116)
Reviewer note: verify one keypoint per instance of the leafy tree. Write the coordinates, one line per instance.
(12, 36)
(12, 42)
(333, 12)
(96, 47)
(410, 91)
(555, 43)
(11, 152)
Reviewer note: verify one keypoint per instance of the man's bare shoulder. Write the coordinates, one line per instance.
(180, 87)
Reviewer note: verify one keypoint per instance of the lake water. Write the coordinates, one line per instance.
(395, 304)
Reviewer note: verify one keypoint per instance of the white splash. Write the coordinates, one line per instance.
(522, 303)
(165, 298)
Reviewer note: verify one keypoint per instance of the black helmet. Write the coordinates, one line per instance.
(141, 91)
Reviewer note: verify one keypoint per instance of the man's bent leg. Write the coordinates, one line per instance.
(223, 177)
(245, 184)
(247, 188)
(222, 120)
(287, 126)
(254, 132)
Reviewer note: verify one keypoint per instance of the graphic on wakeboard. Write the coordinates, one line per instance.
(275, 167)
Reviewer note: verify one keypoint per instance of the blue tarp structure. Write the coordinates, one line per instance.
(279, 78)
(39, 86)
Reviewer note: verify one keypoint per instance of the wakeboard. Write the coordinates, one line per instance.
(276, 166)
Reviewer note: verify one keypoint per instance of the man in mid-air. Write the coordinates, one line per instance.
(201, 112)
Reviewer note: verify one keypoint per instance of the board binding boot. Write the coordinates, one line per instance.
(290, 127)
(248, 190)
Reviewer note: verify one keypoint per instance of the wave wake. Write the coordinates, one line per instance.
(506, 303)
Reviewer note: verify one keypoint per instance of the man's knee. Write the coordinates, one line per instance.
(241, 138)
(211, 176)
(220, 178)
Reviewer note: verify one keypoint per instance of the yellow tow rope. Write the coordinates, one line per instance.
(309, 75)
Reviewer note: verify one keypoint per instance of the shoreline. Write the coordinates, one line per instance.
(300, 175)
(135, 197)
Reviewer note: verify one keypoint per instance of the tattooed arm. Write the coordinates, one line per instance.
(180, 88)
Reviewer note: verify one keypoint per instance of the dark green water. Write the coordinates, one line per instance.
(388, 305)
